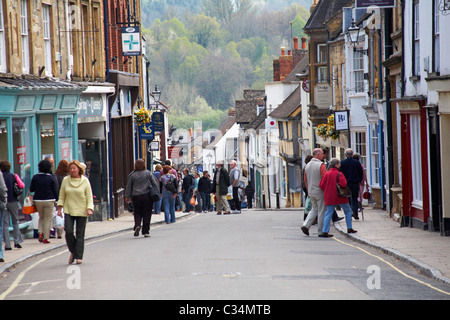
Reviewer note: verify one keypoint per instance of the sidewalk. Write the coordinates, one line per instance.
(424, 250)
(94, 229)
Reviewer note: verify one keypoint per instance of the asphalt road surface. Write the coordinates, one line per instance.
(257, 255)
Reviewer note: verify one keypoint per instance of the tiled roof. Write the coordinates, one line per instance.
(323, 11)
(35, 83)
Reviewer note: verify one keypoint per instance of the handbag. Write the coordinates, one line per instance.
(130, 207)
(342, 191)
(154, 193)
(28, 206)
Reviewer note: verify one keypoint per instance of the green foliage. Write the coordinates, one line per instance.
(203, 53)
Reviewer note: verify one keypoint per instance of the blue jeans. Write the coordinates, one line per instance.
(169, 207)
(205, 200)
(157, 206)
(1, 234)
(329, 214)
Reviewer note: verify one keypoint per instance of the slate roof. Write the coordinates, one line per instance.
(35, 83)
(323, 11)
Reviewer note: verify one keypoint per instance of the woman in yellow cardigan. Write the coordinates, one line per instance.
(75, 196)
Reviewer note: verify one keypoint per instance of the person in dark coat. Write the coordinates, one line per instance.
(188, 189)
(353, 173)
(221, 182)
(204, 189)
(249, 192)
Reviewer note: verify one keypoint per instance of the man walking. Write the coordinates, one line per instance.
(187, 189)
(235, 174)
(314, 171)
(221, 182)
(353, 172)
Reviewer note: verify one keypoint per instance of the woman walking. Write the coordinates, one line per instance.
(75, 196)
(328, 185)
(12, 208)
(140, 182)
(45, 189)
(169, 193)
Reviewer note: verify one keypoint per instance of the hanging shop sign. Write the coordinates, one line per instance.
(375, 3)
(341, 120)
(158, 121)
(147, 131)
(131, 41)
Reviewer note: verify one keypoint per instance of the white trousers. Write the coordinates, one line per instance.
(317, 211)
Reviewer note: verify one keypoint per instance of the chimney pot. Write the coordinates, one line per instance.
(295, 43)
(283, 51)
(304, 43)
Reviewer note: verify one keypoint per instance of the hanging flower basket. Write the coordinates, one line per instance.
(142, 115)
(328, 130)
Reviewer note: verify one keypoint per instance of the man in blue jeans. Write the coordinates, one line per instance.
(353, 172)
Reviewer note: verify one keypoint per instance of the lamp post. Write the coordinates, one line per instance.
(156, 96)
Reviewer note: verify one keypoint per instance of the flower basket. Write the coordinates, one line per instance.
(142, 115)
(328, 130)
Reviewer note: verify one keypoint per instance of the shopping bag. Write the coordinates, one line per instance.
(28, 206)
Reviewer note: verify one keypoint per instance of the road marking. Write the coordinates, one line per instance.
(393, 267)
(19, 278)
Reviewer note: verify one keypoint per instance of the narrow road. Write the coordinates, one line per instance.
(258, 256)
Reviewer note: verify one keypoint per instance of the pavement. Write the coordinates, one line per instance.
(425, 251)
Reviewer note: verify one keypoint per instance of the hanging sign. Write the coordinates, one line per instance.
(341, 120)
(158, 120)
(131, 41)
(147, 131)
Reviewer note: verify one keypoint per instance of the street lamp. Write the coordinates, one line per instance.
(353, 35)
(156, 95)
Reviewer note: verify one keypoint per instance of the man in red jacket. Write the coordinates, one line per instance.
(331, 197)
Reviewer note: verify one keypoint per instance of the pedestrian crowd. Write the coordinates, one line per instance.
(340, 184)
(62, 201)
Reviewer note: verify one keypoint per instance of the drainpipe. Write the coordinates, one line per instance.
(110, 170)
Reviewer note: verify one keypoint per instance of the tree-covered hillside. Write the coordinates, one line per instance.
(204, 53)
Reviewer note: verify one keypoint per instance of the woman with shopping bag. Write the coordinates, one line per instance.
(45, 189)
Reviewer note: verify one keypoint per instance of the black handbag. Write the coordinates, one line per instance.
(154, 192)
(341, 191)
(130, 207)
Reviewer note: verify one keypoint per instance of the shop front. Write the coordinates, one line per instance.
(92, 143)
(38, 120)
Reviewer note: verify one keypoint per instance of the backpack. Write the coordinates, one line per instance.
(170, 185)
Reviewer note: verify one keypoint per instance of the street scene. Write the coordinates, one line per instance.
(224, 150)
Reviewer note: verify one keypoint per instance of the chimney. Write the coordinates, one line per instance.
(314, 4)
(304, 43)
(276, 70)
(283, 51)
(299, 54)
(231, 112)
(285, 66)
(295, 43)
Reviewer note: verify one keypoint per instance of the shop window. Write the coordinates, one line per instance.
(3, 139)
(375, 156)
(65, 133)
(416, 161)
(22, 150)
(47, 132)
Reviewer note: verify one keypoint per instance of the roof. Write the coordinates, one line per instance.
(288, 106)
(301, 68)
(246, 109)
(323, 11)
(35, 83)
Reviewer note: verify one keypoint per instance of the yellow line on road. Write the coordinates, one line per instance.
(393, 267)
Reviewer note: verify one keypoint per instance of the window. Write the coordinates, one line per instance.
(358, 71)
(2, 41)
(47, 39)
(322, 53)
(416, 34)
(322, 74)
(374, 155)
(360, 147)
(437, 46)
(24, 36)
(416, 161)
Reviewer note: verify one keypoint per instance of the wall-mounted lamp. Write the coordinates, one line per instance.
(156, 94)
(353, 35)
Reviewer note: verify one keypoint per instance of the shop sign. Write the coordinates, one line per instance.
(21, 155)
(322, 95)
(375, 3)
(341, 120)
(158, 120)
(131, 41)
(90, 106)
(147, 131)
